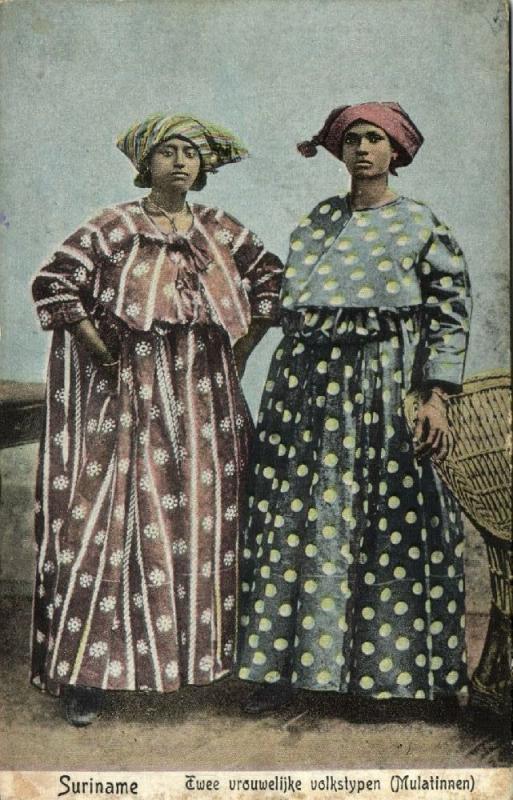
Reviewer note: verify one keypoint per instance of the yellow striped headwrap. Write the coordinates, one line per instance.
(217, 146)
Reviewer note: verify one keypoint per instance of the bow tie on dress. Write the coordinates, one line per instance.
(195, 258)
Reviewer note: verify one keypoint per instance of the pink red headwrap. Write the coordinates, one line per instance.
(390, 117)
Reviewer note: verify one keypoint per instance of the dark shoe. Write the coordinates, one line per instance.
(82, 705)
(268, 698)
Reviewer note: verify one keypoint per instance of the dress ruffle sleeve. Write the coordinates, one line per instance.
(447, 307)
(63, 288)
(260, 270)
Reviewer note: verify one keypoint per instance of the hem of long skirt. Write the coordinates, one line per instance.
(55, 688)
(385, 694)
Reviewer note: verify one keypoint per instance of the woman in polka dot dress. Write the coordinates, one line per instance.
(353, 560)
(155, 305)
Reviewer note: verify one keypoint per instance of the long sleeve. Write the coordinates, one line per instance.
(63, 288)
(447, 305)
(261, 272)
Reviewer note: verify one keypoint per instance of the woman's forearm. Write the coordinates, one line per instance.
(87, 335)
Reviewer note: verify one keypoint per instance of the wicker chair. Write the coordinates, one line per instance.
(478, 472)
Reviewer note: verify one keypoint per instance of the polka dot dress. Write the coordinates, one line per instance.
(352, 572)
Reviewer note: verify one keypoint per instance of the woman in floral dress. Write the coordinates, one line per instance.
(353, 563)
(143, 458)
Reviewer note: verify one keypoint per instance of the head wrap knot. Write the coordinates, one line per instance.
(216, 145)
(390, 117)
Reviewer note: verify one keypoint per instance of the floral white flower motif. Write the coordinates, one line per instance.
(80, 275)
(78, 512)
(200, 346)
(204, 385)
(126, 419)
(57, 600)
(228, 648)
(154, 412)
(74, 624)
(144, 483)
(59, 351)
(59, 437)
(107, 295)
(93, 469)
(59, 395)
(157, 577)
(224, 236)
(66, 556)
(89, 370)
(116, 558)
(143, 348)
(169, 502)
(206, 616)
(206, 430)
(152, 530)
(207, 523)
(116, 235)
(57, 525)
(229, 558)
(168, 289)
(92, 425)
(256, 240)
(126, 374)
(206, 569)
(101, 386)
(183, 637)
(225, 424)
(179, 408)
(171, 670)
(140, 269)
(86, 579)
(98, 649)
(62, 668)
(145, 392)
(239, 421)
(49, 567)
(160, 456)
(164, 623)
(265, 306)
(100, 537)
(85, 240)
(133, 309)
(179, 362)
(117, 258)
(181, 591)
(142, 647)
(115, 624)
(226, 302)
(108, 425)
(206, 663)
(49, 610)
(108, 603)
(230, 513)
(119, 512)
(229, 602)
(124, 465)
(219, 378)
(207, 477)
(40, 637)
(229, 468)
(180, 546)
(45, 318)
(115, 669)
(138, 600)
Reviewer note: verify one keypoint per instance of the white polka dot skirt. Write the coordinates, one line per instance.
(352, 570)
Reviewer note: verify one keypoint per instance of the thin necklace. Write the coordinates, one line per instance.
(170, 217)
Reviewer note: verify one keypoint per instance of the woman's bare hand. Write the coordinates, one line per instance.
(432, 435)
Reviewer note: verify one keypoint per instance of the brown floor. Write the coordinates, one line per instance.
(204, 729)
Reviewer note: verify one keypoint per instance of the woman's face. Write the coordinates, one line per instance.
(174, 164)
(366, 150)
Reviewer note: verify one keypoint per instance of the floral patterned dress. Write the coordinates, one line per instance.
(352, 576)
(141, 477)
